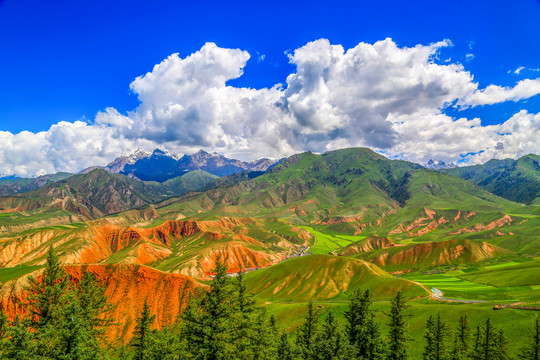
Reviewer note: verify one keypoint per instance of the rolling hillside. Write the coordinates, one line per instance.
(516, 180)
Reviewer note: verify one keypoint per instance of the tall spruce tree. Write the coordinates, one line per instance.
(142, 336)
(437, 333)
(532, 350)
(95, 306)
(357, 315)
(489, 341)
(308, 331)
(501, 351)
(45, 296)
(374, 347)
(207, 320)
(330, 341)
(284, 347)
(361, 326)
(462, 340)
(476, 352)
(398, 334)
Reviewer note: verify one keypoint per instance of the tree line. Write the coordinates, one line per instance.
(68, 321)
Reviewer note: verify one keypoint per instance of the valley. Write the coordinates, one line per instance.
(360, 220)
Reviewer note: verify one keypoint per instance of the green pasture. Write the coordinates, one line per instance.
(325, 244)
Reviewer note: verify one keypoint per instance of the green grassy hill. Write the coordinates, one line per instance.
(516, 180)
(325, 277)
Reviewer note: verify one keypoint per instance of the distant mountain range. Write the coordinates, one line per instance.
(439, 165)
(161, 166)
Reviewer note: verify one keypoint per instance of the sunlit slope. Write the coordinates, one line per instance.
(186, 247)
(325, 277)
(421, 255)
(340, 186)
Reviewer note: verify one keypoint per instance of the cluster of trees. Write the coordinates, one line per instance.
(67, 320)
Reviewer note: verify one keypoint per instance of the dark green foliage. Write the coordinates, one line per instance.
(361, 328)
(207, 320)
(330, 342)
(462, 341)
(65, 320)
(398, 334)
(307, 332)
(532, 350)
(143, 334)
(284, 348)
(396, 188)
(437, 334)
(45, 296)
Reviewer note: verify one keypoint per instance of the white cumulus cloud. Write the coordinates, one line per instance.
(379, 95)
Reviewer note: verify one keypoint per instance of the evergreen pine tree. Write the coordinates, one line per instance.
(358, 316)
(142, 335)
(3, 332)
(308, 331)
(375, 347)
(74, 339)
(532, 350)
(95, 306)
(330, 341)
(398, 333)
(476, 352)
(489, 342)
(437, 333)
(429, 349)
(501, 346)
(284, 348)
(21, 344)
(207, 322)
(462, 340)
(45, 296)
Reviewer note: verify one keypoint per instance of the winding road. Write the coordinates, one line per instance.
(438, 295)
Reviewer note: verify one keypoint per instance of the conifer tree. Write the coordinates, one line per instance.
(45, 296)
(246, 338)
(3, 332)
(489, 340)
(476, 352)
(308, 331)
(142, 335)
(330, 341)
(462, 340)
(284, 349)
(21, 344)
(361, 326)
(74, 338)
(357, 315)
(532, 350)
(375, 347)
(207, 320)
(95, 306)
(398, 333)
(437, 333)
(501, 346)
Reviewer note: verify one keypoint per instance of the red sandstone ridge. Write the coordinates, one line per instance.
(437, 253)
(368, 244)
(505, 220)
(127, 287)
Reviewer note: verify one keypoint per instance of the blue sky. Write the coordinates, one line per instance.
(67, 61)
